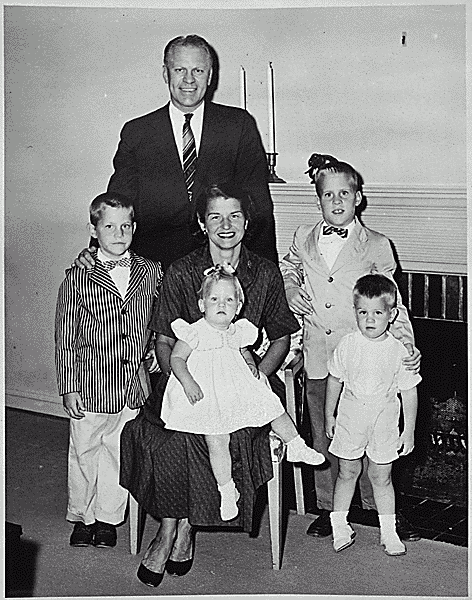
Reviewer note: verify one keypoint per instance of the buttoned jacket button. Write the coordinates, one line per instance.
(328, 332)
(330, 280)
(124, 336)
(124, 361)
(328, 305)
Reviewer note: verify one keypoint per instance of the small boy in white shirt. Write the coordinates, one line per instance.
(367, 370)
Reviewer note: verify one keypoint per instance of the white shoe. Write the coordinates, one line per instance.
(229, 497)
(343, 537)
(392, 544)
(298, 451)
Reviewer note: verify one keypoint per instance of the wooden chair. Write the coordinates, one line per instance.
(293, 374)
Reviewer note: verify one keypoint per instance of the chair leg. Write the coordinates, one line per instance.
(133, 525)
(297, 477)
(137, 520)
(274, 491)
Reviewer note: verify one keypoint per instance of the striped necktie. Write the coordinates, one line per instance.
(189, 154)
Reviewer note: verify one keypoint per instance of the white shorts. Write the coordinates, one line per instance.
(366, 429)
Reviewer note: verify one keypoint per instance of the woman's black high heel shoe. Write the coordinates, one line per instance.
(180, 568)
(148, 577)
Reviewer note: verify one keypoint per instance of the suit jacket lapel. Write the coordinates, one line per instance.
(166, 148)
(313, 250)
(351, 249)
(136, 276)
(101, 277)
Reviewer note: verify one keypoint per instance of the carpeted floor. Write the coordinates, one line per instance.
(226, 562)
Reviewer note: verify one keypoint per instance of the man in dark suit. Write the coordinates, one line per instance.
(149, 161)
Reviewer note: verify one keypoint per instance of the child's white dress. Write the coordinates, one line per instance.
(233, 397)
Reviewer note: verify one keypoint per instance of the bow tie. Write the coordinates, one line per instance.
(111, 264)
(329, 229)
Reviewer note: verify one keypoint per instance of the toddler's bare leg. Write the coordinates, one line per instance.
(220, 460)
(349, 471)
(380, 476)
(220, 457)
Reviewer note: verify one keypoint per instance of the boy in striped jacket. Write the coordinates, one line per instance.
(101, 339)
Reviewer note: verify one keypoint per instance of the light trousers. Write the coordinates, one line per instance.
(94, 468)
(325, 479)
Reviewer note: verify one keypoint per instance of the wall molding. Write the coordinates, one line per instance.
(417, 219)
(34, 401)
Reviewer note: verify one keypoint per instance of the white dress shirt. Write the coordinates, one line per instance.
(331, 245)
(120, 275)
(177, 118)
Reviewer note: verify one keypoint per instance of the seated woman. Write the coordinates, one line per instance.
(169, 472)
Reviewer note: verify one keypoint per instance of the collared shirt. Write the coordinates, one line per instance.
(120, 275)
(177, 118)
(331, 245)
(265, 301)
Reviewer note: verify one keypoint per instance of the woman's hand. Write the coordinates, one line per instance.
(299, 301)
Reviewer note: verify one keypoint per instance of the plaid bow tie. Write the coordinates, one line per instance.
(123, 262)
(329, 229)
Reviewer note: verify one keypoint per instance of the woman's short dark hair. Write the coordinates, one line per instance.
(224, 190)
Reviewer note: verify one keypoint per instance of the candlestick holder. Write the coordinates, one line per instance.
(271, 162)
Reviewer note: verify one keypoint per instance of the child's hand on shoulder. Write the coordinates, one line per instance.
(413, 361)
(73, 405)
(193, 392)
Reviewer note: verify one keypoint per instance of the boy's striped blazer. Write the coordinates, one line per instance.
(101, 337)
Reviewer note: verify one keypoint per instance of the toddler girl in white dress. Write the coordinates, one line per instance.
(216, 388)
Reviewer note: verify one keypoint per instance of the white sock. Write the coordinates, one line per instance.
(387, 525)
(338, 521)
(298, 451)
(229, 496)
(338, 517)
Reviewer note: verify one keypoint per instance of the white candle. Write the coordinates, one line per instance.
(270, 106)
(242, 88)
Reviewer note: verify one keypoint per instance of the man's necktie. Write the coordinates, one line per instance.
(329, 229)
(123, 262)
(189, 154)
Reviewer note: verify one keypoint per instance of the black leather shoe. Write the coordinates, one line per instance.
(148, 577)
(179, 568)
(405, 530)
(82, 535)
(105, 535)
(321, 527)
